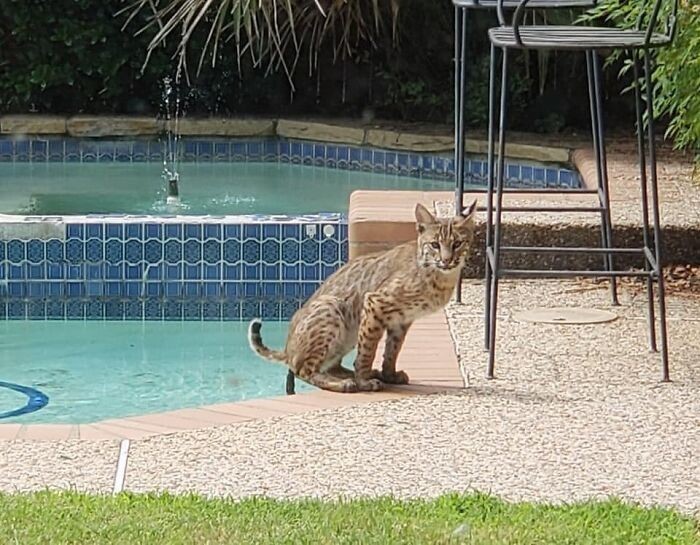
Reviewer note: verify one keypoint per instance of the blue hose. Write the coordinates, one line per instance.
(35, 399)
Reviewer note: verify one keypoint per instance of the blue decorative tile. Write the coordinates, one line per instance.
(139, 150)
(250, 310)
(56, 150)
(231, 310)
(238, 151)
(94, 310)
(205, 150)
(221, 151)
(329, 251)
(114, 310)
(173, 231)
(72, 150)
(172, 310)
(123, 151)
(114, 251)
(35, 290)
(308, 289)
(192, 310)
(114, 230)
(16, 310)
(133, 251)
(292, 231)
(152, 309)
(254, 150)
(232, 231)
(290, 251)
(133, 230)
(94, 230)
(39, 150)
(192, 289)
(173, 272)
(21, 151)
(152, 289)
(189, 150)
(232, 290)
(172, 289)
(192, 251)
(212, 231)
(55, 271)
(74, 250)
(271, 251)
(105, 151)
(94, 250)
(55, 310)
(526, 174)
(251, 272)
(16, 289)
(153, 251)
(290, 272)
(310, 272)
(2, 250)
(211, 290)
(288, 308)
(193, 272)
(212, 251)
(35, 251)
(251, 251)
(36, 272)
(252, 231)
(17, 272)
(6, 149)
(211, 310)
(75, 310)
(271, 272)
(212, 272)
(193, 231)
(153, 230)
(75, 272)
(15, 251)
(113, 289)
(36, 310)
(54, 290)
(94, 289)
(232, 272)
(309, 251)
(173, 251)
(74, 289)
(133, 310)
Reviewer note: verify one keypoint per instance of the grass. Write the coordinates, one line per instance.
(69, 517)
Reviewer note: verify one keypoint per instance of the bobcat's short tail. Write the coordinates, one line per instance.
(256, 344)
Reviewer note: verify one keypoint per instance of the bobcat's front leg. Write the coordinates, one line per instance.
(395, 337)
(372, 326)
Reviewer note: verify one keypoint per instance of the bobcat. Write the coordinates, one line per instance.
(385, 291)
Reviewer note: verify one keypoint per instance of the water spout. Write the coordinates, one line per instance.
(173, 189)
(172, 140)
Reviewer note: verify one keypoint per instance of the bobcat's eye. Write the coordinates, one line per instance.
(456, 244)
(435, 245)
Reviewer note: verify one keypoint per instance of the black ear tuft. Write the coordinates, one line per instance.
(469, 210)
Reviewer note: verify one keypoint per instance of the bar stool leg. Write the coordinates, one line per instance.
(651, 318)
(656, 218)
(604, 165)
(458, 120)
(489, 196)
(598, 134)
(497, 225)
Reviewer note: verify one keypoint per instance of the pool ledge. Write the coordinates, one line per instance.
(428, 356)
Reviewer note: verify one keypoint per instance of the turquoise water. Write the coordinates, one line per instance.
(97, 370)
(205, 188)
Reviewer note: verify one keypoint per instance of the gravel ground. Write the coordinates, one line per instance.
(577, 414)
(87, 466)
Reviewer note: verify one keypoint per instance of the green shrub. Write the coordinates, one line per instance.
(676, 75)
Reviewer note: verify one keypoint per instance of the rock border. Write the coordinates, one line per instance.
(89, 126)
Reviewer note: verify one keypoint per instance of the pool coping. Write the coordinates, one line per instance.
(429, 356)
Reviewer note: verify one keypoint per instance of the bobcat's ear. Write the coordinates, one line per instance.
(467, 217)
(423, 218)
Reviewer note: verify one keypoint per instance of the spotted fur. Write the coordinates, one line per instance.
(371, 295)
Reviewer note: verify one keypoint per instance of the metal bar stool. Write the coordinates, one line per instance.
(461, 7)
(590, 40)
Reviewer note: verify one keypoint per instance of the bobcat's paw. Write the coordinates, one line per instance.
(399, 377)
(349, 386)
(370, 385)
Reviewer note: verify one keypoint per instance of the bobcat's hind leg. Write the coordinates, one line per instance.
(327, 381)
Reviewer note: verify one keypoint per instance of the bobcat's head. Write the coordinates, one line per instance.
(443, 243)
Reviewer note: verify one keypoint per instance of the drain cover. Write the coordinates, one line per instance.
(564, 315)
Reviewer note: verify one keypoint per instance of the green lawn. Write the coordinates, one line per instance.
(64, 518)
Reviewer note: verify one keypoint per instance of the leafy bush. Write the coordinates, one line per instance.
(677, 71)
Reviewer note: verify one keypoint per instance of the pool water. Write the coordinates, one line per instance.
(205, 188)
(98, 370)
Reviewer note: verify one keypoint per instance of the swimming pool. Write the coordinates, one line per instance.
(222, 188)
(92, 371)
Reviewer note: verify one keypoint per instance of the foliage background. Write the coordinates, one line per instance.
(70, 56)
